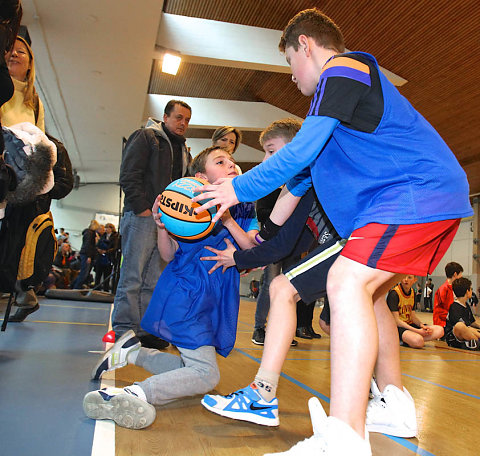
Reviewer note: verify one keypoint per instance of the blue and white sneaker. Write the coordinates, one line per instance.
(246, 404)
(116, 356)
(121, 405)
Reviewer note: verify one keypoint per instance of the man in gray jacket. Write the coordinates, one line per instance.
(153, 157)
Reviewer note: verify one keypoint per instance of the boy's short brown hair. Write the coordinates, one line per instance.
(283, 128)
(197, 165)
(312, 23)
(452, 268)
(461, 286)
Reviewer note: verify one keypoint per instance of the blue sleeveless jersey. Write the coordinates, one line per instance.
(372, 157)
(402, 172)
(191, 308)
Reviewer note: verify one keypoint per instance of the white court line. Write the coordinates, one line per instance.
(104, 434)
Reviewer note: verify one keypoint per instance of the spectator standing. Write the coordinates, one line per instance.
(88, 253)
(153, 157)
(228, 138)
(106, 247)
(25, 105)
(427, 295)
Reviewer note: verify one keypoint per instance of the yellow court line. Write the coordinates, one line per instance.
(64, 322)
(75, 307)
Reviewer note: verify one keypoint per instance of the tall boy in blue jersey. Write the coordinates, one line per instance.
(375, 162)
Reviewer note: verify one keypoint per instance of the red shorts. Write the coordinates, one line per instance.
(404, 249)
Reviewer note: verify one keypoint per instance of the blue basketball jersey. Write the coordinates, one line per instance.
(191, 308)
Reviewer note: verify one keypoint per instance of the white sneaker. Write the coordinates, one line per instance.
(331, 437)
(116, 356)
(391, 412)
(121, 405)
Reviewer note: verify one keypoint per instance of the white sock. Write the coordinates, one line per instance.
(136, 390)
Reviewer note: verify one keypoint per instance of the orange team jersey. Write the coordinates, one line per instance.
(405, 304)
(443, 300)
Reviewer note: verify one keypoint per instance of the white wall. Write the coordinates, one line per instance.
(75, 212)
(460, 251)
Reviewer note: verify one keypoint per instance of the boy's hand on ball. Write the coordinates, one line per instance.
(156, 214)
(222, 194)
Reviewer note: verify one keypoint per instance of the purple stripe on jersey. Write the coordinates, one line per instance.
(382, 245)
(317, 99)
(314, 99)
(322, 91)
(345, 72)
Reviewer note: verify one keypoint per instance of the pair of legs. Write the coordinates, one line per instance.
(85, 267)
(464, 337)
(139, 273)
(415, 340)
(305, 319)
(101, 274)
(358, 307)
(195, 371)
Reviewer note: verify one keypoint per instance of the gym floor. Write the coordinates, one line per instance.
(46, 361)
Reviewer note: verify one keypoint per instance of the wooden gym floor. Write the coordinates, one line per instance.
(45, 364)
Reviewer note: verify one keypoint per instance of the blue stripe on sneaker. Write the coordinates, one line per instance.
(105, 396)
(101, 369)
(130, 342)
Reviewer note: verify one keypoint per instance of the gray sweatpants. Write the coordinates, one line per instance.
(193, 372)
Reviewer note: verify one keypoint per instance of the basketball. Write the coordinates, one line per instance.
(178, 213)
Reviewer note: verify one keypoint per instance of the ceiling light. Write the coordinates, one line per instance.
(171, 63)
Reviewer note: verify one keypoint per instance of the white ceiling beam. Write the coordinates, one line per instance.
(225, 44)
(213, 113)
(215, 41)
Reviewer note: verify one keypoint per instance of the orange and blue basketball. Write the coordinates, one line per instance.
(178, 213)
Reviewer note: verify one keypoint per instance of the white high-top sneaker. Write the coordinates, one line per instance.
(331, 437)
(391, 412)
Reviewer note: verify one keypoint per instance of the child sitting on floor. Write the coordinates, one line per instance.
(461, 329)
(190, 308)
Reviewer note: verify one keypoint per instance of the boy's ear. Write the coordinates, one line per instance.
(304, 44)
(201, 175)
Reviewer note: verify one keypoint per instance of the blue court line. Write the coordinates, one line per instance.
(405, 443)
(442, 386)
(294, 349)
(420, 360)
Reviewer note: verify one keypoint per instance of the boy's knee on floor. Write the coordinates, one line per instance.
(208, 380)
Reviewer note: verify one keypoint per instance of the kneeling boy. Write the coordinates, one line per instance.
(190, 308)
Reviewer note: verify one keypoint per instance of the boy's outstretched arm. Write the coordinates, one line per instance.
(271, 251)
(278, 169)
(167, 246)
